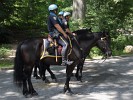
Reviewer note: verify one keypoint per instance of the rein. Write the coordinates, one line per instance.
(81, 60)
(104, 57)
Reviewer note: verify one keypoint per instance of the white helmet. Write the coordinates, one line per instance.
(61, 13)
(66, 14)
(52, 7)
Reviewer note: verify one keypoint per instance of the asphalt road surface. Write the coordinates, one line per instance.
(110, 80)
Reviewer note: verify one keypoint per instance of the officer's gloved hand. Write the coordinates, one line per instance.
(71, 36)
(74, 34)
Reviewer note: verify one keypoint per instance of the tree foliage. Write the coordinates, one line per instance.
(101, 15)
(108, 14)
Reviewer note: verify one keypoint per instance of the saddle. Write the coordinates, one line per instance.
(51, 48)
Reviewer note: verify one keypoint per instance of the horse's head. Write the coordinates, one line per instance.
(87, 39)
(82, 33)
(104, 44)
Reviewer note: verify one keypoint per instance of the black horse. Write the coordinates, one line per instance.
(28, 54)
(102, 43)
(86, 40)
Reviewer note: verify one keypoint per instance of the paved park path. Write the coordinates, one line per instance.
(111, 80)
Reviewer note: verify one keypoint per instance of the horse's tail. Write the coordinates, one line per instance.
(18, 67)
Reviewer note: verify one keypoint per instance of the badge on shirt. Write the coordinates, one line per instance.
(54, 18)
(65, 23)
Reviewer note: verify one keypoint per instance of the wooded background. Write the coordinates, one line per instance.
(28, 18)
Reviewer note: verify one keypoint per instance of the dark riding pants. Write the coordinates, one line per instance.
(60, 40)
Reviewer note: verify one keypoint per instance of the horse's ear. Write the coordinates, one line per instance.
(90, 29)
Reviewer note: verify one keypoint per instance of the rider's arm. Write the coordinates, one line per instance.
(68, 31)
(66, 26)
(58, 27)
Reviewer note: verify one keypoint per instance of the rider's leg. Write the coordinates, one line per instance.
(46, 45)
(64, 44)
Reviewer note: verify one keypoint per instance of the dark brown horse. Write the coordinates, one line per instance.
(86, 40)
(103, 43)
(28, 54)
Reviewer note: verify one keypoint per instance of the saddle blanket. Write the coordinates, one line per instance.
(50, 50)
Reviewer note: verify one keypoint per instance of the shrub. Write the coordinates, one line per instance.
(5, 36)
(118, 44)
(4, 52)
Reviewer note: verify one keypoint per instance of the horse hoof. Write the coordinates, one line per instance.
(35, 94)
(47, 81)
(36, 76)
(55, 80)
(69, 92)
(79, 79)
(72, 74)
(27, 95)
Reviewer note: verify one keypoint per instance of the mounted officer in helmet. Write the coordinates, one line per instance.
(56, 31)
(60, 16)
(65, 22)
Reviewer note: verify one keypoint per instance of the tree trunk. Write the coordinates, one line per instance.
(78, 9)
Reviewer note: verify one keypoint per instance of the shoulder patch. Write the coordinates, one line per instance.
(54, 18)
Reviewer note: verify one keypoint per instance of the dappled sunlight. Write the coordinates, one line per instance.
(130, 64)
(11, 94)
(9, 71)
(130, 72)
(61, 97)
(102, 96)
(111, 80)
(6, 82)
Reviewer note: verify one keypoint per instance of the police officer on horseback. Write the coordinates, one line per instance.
(60, 15)
(65, 22)
(56, 31)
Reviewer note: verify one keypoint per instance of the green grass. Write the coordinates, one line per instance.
(6, 63)
(5, 52)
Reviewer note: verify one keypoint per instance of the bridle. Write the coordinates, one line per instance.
(105, 56)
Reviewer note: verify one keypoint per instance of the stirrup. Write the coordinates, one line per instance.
(69, 62)
(63, 63)
(66, 62)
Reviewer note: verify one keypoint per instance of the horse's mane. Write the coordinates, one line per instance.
(81, 31)
(84, 34)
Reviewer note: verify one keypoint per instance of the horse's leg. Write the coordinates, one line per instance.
(42, 72)
(25, 89)
(35, 71)
(78, 74)
(31, 89)
(27, 79)
(51, 73)
(69, 70)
